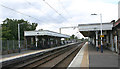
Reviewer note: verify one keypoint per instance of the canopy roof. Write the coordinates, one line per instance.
(95, 26)
(88, 30)
(45, 32)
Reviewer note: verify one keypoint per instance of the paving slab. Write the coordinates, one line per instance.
(107, 59)
(89, 58)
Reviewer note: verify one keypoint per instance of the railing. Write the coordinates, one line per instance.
(11, 46)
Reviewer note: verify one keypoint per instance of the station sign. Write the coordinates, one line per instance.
(101, 35)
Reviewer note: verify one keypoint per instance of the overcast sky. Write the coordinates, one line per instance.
(70, 12)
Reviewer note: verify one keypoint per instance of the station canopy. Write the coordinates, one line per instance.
(45, 32)
(89, 29)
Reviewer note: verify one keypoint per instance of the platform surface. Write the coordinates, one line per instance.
(105, 59)
(88, 57)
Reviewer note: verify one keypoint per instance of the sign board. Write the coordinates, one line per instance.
(95, 26)
(101, 35)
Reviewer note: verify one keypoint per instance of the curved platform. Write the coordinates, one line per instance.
(28, 53)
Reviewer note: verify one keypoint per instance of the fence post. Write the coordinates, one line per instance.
(21, 45)
(8, 44)
(13, 45)
(26, 44)
(1, 47)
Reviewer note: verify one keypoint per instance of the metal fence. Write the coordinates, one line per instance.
(12, 45)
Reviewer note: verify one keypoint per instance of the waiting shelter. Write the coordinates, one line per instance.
(93, 31)
(43, 39)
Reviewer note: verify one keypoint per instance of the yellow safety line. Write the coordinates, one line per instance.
(85, 60)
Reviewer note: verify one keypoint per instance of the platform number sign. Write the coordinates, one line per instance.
(101, 35)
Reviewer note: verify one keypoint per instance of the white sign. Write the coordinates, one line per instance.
(95, 26)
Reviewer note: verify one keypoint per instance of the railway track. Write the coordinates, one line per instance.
(53, 59)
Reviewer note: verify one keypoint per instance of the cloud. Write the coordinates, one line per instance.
(74, 12)
(84, 8)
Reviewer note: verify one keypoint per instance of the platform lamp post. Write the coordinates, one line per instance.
(101, 31)
(19, 37)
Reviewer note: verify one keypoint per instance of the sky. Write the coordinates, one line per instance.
(54, 14)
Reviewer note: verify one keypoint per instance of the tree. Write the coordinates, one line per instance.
(0, 32)
(82, 39)
(10, 28)
(76, 37)
(72, 37)
(5, 33)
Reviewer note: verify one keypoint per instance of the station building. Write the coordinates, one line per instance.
(43, 39)
(116, 35)
(93, 31)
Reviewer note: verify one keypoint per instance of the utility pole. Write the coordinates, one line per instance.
(59, 30)
(19, 37)
(101, 34)
(101, 31)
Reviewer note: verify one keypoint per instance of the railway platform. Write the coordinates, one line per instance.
(89, 58)
(27, 53)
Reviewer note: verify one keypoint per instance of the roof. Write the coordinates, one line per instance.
(116, 23)
(95, 26)
(88, 30)
(45, 32)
